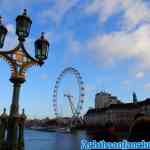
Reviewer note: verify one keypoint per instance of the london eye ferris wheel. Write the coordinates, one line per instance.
(75, 108)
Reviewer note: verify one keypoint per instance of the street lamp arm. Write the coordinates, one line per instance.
(25, 66)
(19, 60)
(35, 61)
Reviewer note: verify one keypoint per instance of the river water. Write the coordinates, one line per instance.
(37, 140)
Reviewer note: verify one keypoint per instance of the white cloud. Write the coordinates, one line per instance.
(132, 11)
(90, 88)
(147, 86)
(10, 42)
(139, 75)
(58, 10)
(5, 4)
(125, 83)
(9, 6)
(11, 28)
(103, 8)
(73, 44)
(135, 12)
(112, 47)
(44, 77)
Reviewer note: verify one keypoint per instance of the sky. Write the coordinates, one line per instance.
(108, 41)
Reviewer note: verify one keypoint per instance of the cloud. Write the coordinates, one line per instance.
(73, 44)
(7, 6)
(10, 28)
(44, 77)
(90, 88)
(103, 8)
(10, 41)
(132, 41)
(72, 47)
(125, 83)
(116, 46)
(132, 11)
(147, 86)
(139, 75)
(57, 10)
(135, 12)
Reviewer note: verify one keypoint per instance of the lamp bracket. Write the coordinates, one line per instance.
(19, 60)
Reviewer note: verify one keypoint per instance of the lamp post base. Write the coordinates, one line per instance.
(15, 139)
(15, 126)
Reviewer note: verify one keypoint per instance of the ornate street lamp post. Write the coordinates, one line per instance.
(19, 61)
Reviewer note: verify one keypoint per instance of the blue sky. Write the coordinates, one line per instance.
(106, 40)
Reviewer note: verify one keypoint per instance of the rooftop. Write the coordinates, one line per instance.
(120, 106)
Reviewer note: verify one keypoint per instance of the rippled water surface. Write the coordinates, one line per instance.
(37, 140)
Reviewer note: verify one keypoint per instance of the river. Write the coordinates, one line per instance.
(37, 140)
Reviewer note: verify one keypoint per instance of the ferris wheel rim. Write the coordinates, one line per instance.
(80, 83)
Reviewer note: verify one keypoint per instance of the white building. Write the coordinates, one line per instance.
(103, 100)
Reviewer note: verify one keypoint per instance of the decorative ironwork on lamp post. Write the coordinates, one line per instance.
(20, 60)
